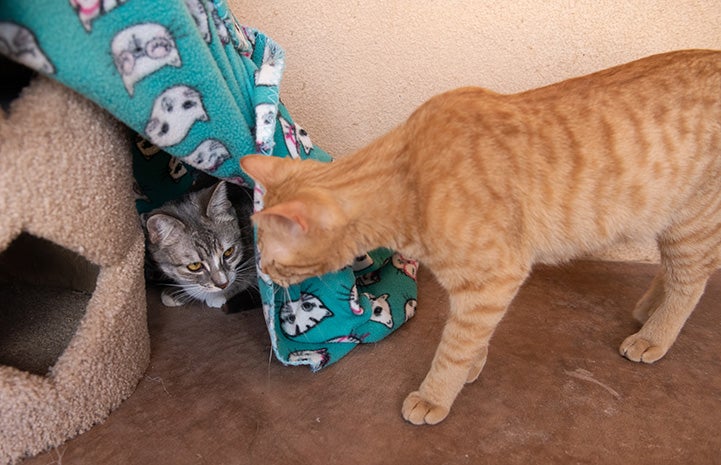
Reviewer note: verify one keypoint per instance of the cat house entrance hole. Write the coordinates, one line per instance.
(44, 292)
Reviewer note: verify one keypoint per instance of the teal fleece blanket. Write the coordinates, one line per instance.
(201, 90)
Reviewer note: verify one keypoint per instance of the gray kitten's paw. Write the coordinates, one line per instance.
(168, 300)
(419, 411)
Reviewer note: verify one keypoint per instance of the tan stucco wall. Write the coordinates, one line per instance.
(355, 69)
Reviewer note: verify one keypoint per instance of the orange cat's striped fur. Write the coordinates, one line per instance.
(480, 186)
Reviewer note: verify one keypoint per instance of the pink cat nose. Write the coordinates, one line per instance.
(219, 279)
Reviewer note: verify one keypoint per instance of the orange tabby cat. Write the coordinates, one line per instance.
(480, 186)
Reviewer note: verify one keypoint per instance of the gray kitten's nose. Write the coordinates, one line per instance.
(219, 279)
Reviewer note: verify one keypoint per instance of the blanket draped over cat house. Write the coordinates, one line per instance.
(197, 85)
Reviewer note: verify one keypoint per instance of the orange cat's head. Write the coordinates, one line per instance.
(302, 230)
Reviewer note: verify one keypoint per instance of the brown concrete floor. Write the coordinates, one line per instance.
(554, 389)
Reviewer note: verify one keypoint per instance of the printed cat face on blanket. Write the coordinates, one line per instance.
(381, 310)
(316, 358)
(299, 316)
(209, 155)
(271, 70)
(265, 117)
(19, 44)
(174, 113)
(296, 138)
(141, 50)
(89, 10)
(200, 16)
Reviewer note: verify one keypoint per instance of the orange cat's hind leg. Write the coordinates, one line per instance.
(689, 255)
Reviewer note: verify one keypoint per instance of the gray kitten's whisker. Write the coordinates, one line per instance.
(175, 285)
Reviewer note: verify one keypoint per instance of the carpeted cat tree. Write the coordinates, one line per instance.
(70, 242)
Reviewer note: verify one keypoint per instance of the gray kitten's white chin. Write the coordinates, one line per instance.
(212, 298)
(215, 301)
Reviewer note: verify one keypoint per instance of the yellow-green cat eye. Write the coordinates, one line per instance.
(229, 252)
(195, 266)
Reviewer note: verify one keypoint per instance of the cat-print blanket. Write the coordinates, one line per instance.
(202, 91)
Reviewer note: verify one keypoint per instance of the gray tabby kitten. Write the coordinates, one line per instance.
(201, 246)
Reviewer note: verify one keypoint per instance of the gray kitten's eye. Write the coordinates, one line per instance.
(229, 252)
(195, 266)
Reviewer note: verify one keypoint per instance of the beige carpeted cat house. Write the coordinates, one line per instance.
(73, 331)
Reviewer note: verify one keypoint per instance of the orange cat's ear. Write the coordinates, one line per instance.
(263, 169)
(292, 215)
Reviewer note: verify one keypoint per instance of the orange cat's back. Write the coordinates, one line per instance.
(583, 162)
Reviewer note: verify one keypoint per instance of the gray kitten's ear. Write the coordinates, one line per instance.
(219, 207)
(162, 227)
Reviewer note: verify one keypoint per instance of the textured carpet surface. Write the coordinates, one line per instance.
(554, 389)
(37, 323)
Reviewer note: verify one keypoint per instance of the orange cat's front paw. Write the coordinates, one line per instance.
(640, 349)
(419, 411)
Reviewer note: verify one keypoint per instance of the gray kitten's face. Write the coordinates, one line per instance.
(198, 244)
